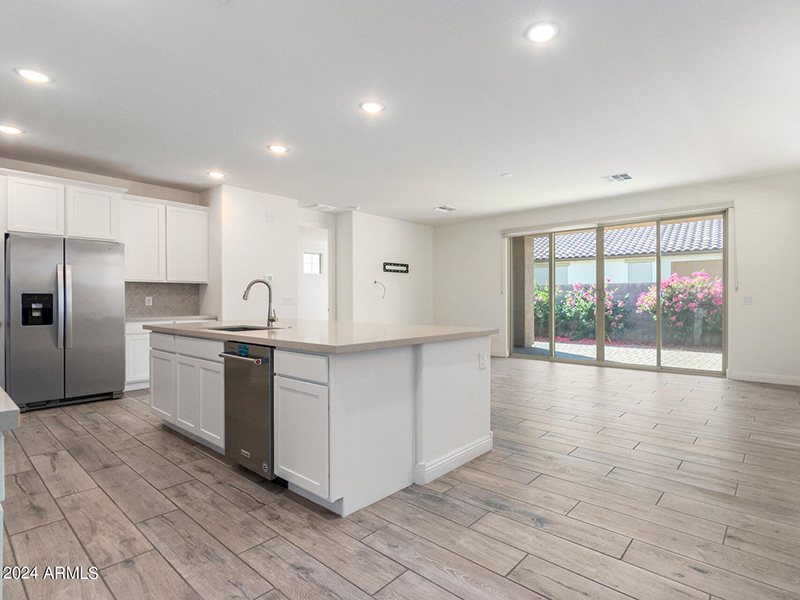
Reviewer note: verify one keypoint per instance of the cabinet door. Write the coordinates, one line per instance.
(187, 398)
(35, 206)
(143, 231)
(137, 367)
(162, 385)
(212, 402)
(187, 245)
(301, 434)
(92, 214)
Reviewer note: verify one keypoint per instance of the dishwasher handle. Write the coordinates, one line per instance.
(255, 361)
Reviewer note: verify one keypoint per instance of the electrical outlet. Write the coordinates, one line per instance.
(289, 301)
(748, 300)
(148, 301)
(483, 358)
(270, 217)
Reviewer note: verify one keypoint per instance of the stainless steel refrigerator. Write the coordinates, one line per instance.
(65, 320)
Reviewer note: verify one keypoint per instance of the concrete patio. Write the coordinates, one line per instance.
(632, 355)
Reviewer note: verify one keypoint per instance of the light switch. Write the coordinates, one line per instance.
(748, 300)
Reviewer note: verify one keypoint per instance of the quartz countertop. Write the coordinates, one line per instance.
(324, 336)
(9, 413)
(172, 318)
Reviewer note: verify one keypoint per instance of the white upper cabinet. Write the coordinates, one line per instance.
(53, 206)
(92, 213)
(143, 231)
(164, 241)
(35, 206)
(187, 245)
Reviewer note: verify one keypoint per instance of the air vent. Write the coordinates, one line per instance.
(323, 208)
(618, 178)
(445, 208)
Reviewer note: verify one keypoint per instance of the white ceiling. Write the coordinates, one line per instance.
(161, 91)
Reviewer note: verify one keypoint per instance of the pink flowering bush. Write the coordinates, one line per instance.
(575, 314)
(691, 306)
(541, 308)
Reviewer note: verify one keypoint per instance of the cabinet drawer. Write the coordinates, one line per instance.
(162, 341)
(206, 349)
(299, 365)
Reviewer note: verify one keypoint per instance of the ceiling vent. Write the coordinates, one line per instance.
(618, 178)
(444, 208)
(323, 208)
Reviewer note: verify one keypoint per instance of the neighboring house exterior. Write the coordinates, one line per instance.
(630, 253)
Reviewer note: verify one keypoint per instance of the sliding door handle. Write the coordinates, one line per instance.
(68, 306)
(59, 306)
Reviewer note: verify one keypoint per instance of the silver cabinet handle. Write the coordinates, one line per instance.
(60, 306)
(255, 361)
(68, 303)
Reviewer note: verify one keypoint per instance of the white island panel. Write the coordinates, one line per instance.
(453, 415)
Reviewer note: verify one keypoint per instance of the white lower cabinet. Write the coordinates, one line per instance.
(187, 394)
(162, 385)
(137, 367)
(194, 390)
(301, 438)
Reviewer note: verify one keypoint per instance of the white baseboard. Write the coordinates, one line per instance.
(139, 385)
(427, 472)
(336, 507)
(764, 378)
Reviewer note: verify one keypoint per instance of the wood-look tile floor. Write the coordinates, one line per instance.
(604, 484)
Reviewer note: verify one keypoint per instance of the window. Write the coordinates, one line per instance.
(312, 263)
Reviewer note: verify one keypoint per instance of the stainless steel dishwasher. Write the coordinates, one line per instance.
(248, 406)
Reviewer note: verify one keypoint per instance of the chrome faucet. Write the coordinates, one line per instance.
(271, 317)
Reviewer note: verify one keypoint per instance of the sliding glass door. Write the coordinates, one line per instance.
(656, 299)
(630, 269)
(576, 295)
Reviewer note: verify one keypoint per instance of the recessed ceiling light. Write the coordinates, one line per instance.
(10, 130)
(33, 76)
(506, 174)
(541, 33)
(372, 107)
(277, 149)
(216, 174)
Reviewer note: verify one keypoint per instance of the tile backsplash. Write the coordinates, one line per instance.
(169, 299)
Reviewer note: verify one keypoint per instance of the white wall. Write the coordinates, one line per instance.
(470, 271)
(312, 290)
(364, 243)
(252, 235)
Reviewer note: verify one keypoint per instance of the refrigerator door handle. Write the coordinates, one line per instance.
(60, 306)
(68, 303)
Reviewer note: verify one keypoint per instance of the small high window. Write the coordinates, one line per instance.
(312, 263)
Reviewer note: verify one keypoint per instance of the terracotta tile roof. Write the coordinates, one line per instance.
(690, 236)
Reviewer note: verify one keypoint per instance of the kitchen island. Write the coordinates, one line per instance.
(361, 410)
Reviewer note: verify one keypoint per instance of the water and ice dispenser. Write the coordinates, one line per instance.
(37, 309)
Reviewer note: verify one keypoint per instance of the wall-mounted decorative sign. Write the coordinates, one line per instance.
(395, 267)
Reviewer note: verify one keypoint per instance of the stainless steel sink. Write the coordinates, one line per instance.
(241, 328)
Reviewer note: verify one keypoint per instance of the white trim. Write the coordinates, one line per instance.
(686, 211)
(172, 203)
(85, 185)
(764, 378)
(137, 385)
(427, 472)
(336, 506)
